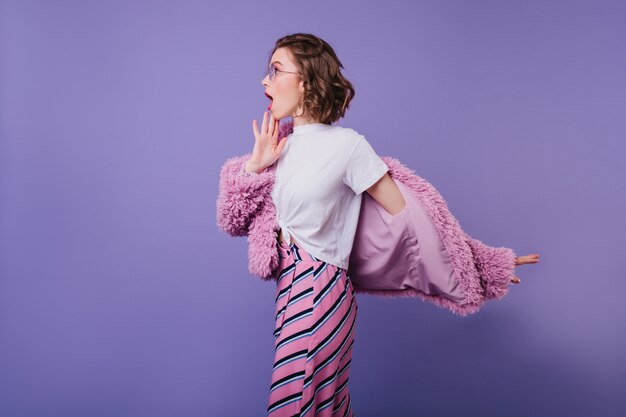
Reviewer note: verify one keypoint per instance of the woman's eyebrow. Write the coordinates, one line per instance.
(277, 62)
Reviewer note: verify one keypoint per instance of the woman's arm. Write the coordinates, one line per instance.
(387, 194)
(241, 195)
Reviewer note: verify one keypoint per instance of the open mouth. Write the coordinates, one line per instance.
(271, 101)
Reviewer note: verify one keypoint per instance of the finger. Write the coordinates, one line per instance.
(276, 132)
(277, 129)
(528, 259)
(281, 145)
(271, 125)
(264, 124)
(255, 129)
(516, 279)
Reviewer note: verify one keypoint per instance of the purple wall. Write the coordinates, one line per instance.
(120, 297)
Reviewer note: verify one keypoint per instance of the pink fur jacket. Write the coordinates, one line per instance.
(419, 252)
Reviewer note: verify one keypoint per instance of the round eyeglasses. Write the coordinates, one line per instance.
(273, 70)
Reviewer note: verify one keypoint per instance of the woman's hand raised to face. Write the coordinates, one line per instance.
(266, 147)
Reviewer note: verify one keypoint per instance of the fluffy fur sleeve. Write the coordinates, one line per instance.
(495, 265)
(241, 195)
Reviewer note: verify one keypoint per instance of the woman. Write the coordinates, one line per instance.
(321, 172)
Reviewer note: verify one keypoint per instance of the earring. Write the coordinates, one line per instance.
(298, 115)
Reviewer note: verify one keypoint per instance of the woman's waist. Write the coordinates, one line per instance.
(285, 249)
(282, 238)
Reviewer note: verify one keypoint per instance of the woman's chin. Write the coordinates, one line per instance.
(276, 115)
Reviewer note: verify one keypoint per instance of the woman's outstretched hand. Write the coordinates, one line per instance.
(533, 258)
(266, 147)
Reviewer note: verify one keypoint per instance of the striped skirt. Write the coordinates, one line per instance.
(314, 332)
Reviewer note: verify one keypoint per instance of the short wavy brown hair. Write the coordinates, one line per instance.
(327, 93)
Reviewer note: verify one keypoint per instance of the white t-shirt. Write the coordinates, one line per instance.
(320, 175)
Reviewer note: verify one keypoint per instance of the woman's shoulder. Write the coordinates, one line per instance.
(349, 136)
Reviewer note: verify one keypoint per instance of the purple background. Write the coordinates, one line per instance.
(120, 297)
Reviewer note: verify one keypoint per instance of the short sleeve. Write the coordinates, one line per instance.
(364, 167)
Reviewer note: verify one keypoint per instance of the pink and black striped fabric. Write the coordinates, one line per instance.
(314, 332)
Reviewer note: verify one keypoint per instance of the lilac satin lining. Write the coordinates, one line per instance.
(407, 245)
